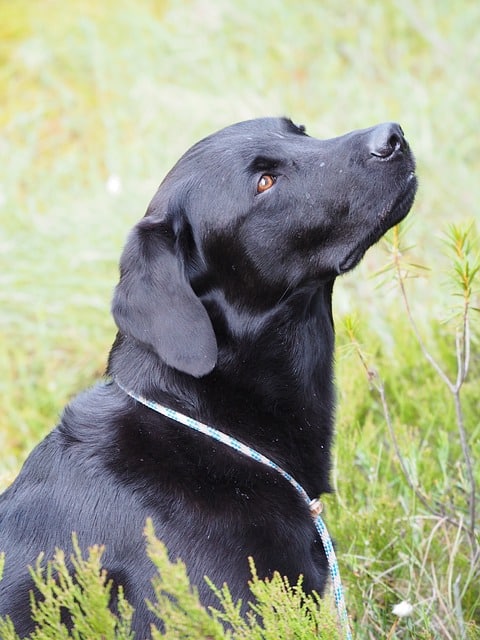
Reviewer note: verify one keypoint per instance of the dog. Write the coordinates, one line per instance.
(224, 314)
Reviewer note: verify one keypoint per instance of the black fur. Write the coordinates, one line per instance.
(224, 313)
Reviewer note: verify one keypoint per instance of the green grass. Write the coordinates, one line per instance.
(92, 90)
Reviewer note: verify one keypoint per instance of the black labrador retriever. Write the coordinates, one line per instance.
(224, 314)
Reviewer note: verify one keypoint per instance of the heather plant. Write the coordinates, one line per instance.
(75, 588)
(83, 592)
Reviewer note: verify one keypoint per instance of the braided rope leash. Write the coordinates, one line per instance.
(315, 506)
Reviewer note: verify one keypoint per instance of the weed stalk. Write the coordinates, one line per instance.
(466, 267)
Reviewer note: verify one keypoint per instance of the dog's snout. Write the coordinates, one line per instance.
(386, 140)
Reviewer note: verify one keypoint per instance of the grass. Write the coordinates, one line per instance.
(98, 94)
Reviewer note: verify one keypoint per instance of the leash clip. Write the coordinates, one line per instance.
(316, 508)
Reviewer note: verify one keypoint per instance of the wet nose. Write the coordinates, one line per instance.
(387, 140)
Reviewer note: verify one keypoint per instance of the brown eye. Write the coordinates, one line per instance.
(266, 182)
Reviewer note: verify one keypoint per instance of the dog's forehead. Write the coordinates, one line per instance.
(260, 130)
(264, 127)
(248, 139)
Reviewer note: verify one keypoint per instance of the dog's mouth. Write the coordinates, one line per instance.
(396, 211)
(389, 216)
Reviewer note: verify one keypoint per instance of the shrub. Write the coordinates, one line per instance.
(279, 611)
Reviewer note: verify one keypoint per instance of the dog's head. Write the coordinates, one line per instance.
(255, 210)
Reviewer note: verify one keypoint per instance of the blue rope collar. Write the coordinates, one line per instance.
(315, 506)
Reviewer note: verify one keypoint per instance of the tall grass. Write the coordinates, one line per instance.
(98, 101)
(426, 395)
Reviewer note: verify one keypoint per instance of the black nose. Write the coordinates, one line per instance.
(387, 140)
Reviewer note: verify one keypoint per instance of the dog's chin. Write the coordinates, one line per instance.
(351, 261)
(388, 218)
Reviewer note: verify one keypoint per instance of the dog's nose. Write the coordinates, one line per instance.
(387, 140)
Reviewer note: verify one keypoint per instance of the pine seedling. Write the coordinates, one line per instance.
(82, 596)
(177, 603)
(278, 611)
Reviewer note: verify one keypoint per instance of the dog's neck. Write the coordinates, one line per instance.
(281, 351)
(276, 367)
(286, 347)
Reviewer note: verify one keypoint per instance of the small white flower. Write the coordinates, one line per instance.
(403, 609)
(114, 184)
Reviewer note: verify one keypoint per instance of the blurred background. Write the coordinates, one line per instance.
(99, 98)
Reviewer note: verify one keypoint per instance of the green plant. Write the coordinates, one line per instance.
(278, 611)
(79, 589)
(450, 510)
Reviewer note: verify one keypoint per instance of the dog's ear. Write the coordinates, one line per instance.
(155, 304)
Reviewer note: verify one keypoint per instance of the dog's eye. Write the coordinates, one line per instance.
(266, 182)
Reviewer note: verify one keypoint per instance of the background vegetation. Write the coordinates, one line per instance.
(100, 98)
